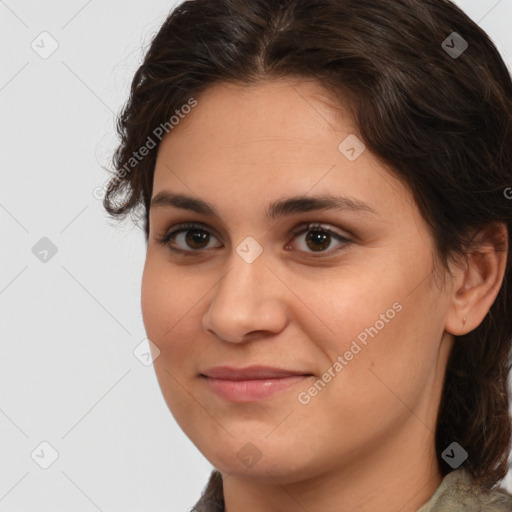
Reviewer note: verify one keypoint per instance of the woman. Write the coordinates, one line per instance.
(326, 192)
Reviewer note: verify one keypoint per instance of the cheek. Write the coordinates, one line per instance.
(373, 321)
(167, 311)
(338, 310)
(388, 360)
(162, 301)
(153, 301)
(171, 313)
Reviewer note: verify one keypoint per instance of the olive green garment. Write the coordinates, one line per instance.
(455, 494)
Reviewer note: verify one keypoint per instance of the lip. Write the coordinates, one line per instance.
(252, 383)
(250, 373)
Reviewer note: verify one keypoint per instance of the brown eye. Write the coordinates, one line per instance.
(193, 239)
(196, 238)
(319, 238)
(187, 238)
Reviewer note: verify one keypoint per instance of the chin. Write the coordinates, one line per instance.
(250, 459)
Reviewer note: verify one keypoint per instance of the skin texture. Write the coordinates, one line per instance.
(366, 441)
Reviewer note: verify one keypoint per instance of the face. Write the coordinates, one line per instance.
(351, 304)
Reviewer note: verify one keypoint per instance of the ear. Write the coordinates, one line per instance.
(477, 279)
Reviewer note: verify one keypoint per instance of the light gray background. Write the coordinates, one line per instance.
(68, 375)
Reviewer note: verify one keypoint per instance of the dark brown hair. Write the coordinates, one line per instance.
(443, 123)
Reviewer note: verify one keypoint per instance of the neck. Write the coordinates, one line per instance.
(388, 477)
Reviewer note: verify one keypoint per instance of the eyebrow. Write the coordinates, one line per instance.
(275, 209)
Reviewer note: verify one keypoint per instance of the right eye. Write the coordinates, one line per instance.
(192, 234)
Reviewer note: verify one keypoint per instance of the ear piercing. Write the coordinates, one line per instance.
(464, 320)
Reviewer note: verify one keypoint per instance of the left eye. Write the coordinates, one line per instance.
(320, 238)
(197, 237)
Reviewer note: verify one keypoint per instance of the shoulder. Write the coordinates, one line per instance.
(212, 497)
(458, 493)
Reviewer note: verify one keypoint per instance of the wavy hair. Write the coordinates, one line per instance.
(441, 122)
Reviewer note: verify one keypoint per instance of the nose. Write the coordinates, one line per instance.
(249, 301)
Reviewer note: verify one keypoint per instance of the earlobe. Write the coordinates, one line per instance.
(477, 280)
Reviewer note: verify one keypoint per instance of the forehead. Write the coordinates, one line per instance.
(255, 143)
(269, 112)
(272, 123)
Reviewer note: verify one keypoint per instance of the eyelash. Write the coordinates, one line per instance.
(166, 239)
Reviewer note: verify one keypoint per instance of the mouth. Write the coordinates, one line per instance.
(252, 383)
